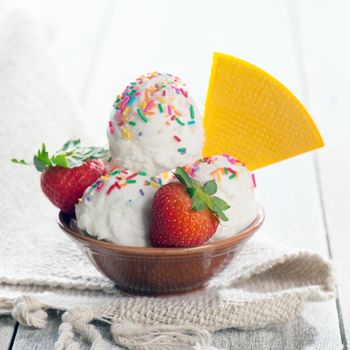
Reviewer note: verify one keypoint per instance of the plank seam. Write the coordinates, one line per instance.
(13, 338)
(330, 253)
(305, 92)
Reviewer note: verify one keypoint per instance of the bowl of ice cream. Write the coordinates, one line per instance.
(159, 271)
(163, 220)
(113, 227)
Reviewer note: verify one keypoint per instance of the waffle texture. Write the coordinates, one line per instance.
(250, 114)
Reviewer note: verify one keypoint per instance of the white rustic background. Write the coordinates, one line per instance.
(101, 45)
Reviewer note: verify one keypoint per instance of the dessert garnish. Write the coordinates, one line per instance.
(185, 213)
(251, 115)
(68, 172)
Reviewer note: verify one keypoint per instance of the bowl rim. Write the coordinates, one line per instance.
(62, 220)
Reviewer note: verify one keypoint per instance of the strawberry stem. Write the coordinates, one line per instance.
(69, 156)
(202, 196)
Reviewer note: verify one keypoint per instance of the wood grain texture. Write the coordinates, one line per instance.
(324, 42)
(299, 334)
(38, 339)
(7, 329)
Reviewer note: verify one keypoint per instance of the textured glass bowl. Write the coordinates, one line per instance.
(156, 271)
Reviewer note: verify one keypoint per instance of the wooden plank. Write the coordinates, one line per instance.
(324, 30)
(7, 330)
(43, 339)
(299, 334)
(38, 339)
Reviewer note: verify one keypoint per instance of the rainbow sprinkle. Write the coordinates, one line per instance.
(192, 112)
(132, 176)
(254, 181)
(180, 122)
(149, 105)
(142, 116)
(126, 133)
(111, 127)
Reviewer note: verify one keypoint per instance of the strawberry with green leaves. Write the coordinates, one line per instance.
(185, 213)
(67, 173)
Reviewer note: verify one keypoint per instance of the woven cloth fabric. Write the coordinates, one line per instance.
(41, 268)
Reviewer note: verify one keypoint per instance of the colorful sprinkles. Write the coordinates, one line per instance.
(218, 172)
(118, 179)
(254, 181)
(142, 116)
(147, 96)
(179, 121)
(192, 112)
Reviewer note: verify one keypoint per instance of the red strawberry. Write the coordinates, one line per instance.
(64, 186)
(67, 173)
(185, 214)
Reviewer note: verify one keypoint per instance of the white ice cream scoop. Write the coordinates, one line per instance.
(235, 186)
(155, 125)
(117, 207)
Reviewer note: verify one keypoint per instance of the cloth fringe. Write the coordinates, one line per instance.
(28, 311)
(162, 337)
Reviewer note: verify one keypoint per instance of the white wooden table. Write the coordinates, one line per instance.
(101, 45)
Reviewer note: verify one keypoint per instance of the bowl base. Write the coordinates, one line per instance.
(148, 292)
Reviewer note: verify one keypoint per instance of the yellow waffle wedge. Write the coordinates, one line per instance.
(253, 117)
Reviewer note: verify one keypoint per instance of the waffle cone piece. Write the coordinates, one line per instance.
(252, 116)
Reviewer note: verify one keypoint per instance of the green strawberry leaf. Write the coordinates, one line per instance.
(222, 216)
(183, 177)
(210, 204)
(41, 160)
(191, 191)
(220, 204)
(39, 165)
(43, 155)
(70, 144)
(20, 161)
(69, 156)
(210, 187)
(202, 196)
(197, 203)
(60, 160)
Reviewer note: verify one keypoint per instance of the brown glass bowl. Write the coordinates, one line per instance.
(155, 271)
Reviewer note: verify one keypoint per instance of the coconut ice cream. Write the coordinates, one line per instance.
(235, 186)
(117, 207)
(155, 125)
